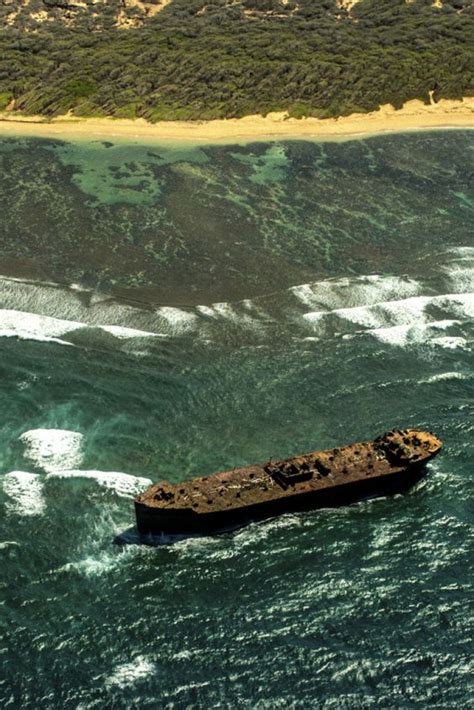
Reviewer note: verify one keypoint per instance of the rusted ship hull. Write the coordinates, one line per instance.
(310, 484)
(153, 520)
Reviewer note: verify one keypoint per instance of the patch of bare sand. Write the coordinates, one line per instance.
(415, 115)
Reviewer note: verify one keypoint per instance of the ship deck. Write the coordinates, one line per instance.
(248, 486)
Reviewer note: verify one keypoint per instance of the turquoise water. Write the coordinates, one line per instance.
(294, 296)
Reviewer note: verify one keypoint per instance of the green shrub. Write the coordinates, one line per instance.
(203, 59)
(5, 99)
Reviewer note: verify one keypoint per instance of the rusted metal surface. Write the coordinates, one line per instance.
(332, 476)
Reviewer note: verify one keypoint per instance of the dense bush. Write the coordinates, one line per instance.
(203, 59)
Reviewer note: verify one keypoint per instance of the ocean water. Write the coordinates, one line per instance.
(167, 312)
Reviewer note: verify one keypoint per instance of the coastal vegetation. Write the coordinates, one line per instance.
(205, 59)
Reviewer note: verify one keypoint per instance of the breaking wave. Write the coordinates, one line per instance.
(54, 453)
(31, 326)
(123, 484)
(397, 310)
(25, 493)
(459, 269)
(52, 449)
(412, 320)
(348, 292)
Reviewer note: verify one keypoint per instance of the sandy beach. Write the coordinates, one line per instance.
(414, 116)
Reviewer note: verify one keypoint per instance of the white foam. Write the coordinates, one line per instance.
(96, 566)
(462, 252)
(462, 304)
(123, 484)
(412, 319)
(124, 333)
(25, 491)
(405, 335)
(355, 291)
(31, 326)
(180, 689)
(460, 269)
(371, 302)
(445, 376)
(396, 335)
(52, 449)
(450, 343)
(403, 312)
(127, 674)
(179, 322)
(461, 278)
(243, 313)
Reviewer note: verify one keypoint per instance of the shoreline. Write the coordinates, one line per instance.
(413, 116)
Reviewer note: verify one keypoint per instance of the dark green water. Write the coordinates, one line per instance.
(329, 292)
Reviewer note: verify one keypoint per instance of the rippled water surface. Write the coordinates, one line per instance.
(167, 312)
